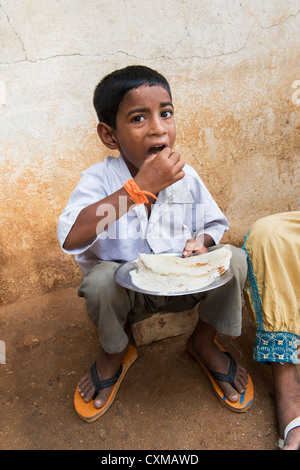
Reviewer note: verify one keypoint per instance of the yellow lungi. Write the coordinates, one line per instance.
(272, 289)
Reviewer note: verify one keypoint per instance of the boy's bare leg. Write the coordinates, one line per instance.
(202, 344)
(107, 367)
(287, 395)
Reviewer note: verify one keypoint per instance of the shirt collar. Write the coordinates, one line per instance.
(125, 174)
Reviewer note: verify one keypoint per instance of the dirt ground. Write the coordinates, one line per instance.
(165, 401)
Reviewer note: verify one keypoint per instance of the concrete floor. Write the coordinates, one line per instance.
(164, 403)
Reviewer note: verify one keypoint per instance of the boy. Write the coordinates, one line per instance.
(118, 210)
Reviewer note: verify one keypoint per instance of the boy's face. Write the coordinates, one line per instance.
(145, 124)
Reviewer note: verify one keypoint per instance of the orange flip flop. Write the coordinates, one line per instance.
(87, 411)
(245, 400)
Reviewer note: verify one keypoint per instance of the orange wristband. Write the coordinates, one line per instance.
(136, 194)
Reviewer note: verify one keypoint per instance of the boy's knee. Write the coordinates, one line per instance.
(99, 279)
(239, 265)
(239, 259)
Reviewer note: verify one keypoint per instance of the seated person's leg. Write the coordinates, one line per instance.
(272, 294)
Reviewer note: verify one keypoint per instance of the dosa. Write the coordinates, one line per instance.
(165, 273)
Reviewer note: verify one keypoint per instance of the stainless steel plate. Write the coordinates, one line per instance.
(123, 277)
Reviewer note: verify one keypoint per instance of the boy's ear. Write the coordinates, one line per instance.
(107, 136)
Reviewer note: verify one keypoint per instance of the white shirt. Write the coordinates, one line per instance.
(182, 211)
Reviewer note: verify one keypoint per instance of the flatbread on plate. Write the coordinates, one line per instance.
(167, 273)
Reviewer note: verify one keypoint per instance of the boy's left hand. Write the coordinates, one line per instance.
(193, 245)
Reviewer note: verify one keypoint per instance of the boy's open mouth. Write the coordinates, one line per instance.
(156, 149)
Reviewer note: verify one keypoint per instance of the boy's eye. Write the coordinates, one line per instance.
(138, 118)
(166, 114)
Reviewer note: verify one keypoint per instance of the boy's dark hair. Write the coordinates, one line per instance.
(112, 89)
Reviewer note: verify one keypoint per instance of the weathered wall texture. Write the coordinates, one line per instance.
(231, 65)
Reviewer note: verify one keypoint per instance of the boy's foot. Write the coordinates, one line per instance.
(216, 360)
(107, 367)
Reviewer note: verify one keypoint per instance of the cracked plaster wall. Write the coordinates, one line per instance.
(231, 65)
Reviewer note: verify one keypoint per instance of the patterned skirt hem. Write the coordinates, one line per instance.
(279, 346)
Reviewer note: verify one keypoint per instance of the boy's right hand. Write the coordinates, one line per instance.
(160, 171)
